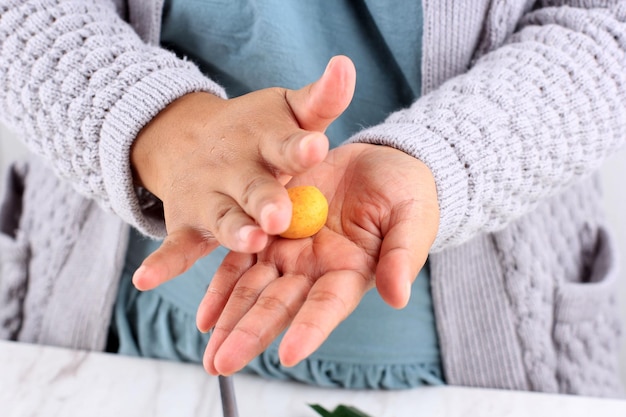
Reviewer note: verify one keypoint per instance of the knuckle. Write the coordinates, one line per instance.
(274, 304)
(252, 334)
(229, 269)
(221, 328)
(245, 294)
(213, 291)
(251, 189)
(314, 327)
(223, 212)
(330, 301)
(178, 258)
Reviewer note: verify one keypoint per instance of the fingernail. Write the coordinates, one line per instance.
(305, 142)
(266, 213)
(138, 273)
(329, 65)
(244, 233)
(407, 290)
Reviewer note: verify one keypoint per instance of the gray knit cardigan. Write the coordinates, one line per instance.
(523, 101)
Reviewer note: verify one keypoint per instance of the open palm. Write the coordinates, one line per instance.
(383, 217)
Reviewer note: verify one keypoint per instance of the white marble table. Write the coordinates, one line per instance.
(44, 382)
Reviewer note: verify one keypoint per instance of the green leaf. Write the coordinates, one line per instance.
(340, 411)
(321, 410)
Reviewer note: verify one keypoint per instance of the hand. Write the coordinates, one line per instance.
(383, 218)
(219, 166)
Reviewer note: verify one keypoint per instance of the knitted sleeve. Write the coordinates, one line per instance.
(78, 84)
(528, 119)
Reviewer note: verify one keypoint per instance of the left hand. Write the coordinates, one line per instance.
(383, 217)
(219, 166)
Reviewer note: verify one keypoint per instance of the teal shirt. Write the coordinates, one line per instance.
(245, 46)
(249, 45)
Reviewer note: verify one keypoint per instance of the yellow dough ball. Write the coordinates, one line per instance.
(310, 210)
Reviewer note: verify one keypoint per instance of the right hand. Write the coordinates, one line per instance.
(219, 165)
(383, 217)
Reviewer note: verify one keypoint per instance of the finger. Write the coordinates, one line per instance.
(261, 197)
(299, 152)
(178, 252)
(295, 155)
(315, 107)
(403, 253)
(230, 270)
(329, 302)
(318, 104)
(230, 225)
(241, 299)
(274, 309)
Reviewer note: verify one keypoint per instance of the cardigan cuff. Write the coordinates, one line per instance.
(139, 104)
(448, 170)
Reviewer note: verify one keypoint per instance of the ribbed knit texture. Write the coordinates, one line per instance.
(538, 111)
(76, 271)
(525, 122)
(552, 285)
(521, 109)
(79, 84)
(566, 311)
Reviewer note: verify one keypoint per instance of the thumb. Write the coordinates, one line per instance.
(318, 104)
(403, 253)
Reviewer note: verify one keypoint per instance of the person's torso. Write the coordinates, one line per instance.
(250, 45)
(246, 46)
